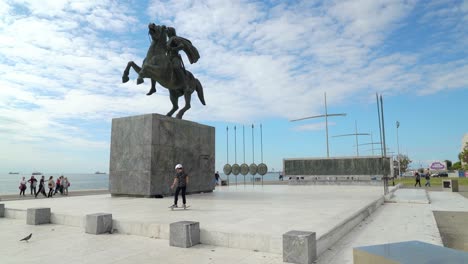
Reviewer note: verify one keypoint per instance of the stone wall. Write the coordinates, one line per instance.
(345, 166)
(146, 148)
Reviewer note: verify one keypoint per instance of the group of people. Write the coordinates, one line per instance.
(426, 175)
(61, 185)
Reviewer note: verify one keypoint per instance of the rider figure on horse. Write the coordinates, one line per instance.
(174, 45)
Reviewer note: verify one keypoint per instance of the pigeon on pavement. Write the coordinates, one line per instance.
(27, 238)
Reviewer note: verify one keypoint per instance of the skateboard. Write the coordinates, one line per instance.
(172, 208)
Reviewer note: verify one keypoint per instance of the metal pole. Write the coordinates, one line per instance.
(243, 142)
(253, 153)
(235, 149)
(227, 145)
(380, 126)
(326, 124)
(261, 142)
(372, 140)
(357, 141)
(384, 144)
(398, 149)
(235, 145)
(261, 146)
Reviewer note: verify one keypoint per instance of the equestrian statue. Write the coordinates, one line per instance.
(164, 65)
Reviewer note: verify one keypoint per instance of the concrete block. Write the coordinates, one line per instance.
(145, 149)
(38, 216)
(299, 247)
(99, 223)
(2, 210)
(184, 234)
(450, 185)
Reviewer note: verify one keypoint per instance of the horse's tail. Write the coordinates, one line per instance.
(199, 89)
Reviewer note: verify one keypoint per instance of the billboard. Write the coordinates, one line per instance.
(437, 165)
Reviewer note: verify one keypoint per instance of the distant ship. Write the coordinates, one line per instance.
(36, 173)
(98, 172)
(13, 173)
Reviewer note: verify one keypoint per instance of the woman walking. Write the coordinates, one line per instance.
(51, 186)
(22, 186)
(41, 187)
(65, 183)
(181, 181)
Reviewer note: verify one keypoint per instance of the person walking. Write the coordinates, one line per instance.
(65, 183)
(181, 180)
(51, 186)
(217, 178)
(57, 185)
(428, 178)
(41, 187)
(418, 179)
(22, 186)
(32, 184)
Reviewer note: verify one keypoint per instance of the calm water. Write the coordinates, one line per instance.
(9, 182)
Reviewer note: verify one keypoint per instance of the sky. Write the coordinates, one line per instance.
(262, 63)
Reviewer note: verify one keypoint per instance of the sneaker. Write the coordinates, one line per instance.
(174, 206)
(185, 206)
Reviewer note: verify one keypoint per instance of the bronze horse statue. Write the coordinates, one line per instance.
(164, 65)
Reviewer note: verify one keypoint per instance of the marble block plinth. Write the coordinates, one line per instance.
(146, 148)
(2, 210)
(38, 216)
(99, 223)
(299, 247)
(184, 234)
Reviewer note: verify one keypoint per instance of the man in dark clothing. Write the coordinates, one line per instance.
(181, 180)
(32, 184)
(41, 187)
(418, 179)
(217, 178)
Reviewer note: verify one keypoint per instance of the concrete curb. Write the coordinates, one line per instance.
(258, 242)
(328, 239)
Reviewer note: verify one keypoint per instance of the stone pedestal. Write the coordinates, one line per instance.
(38, 216)
(146, 148)
(2, 210)
(184, 234)
(299, 247)
(98, 223)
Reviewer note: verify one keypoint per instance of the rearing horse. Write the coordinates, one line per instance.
(158, 67)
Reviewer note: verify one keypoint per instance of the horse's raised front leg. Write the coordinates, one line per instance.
(188, 97)
(175, 102)
(127, 70)
(153, 87)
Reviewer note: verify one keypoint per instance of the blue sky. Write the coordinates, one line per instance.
(262, 62)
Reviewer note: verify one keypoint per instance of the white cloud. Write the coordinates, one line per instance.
(63, 60)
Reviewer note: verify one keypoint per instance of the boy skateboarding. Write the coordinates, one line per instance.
(181, 181)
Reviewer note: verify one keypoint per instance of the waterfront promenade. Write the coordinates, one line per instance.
(238, 224)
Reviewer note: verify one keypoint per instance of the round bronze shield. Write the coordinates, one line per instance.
(235, 169)
(253, 169)
(227, 169)
(244, 169)
(262, 169)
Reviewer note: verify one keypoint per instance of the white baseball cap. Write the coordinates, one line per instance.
(178, 166)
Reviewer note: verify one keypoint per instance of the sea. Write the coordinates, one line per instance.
(9, 183)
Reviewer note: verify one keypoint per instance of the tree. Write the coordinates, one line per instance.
(463, 156)
(449, 164)
(457, 166)
(404, 162)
